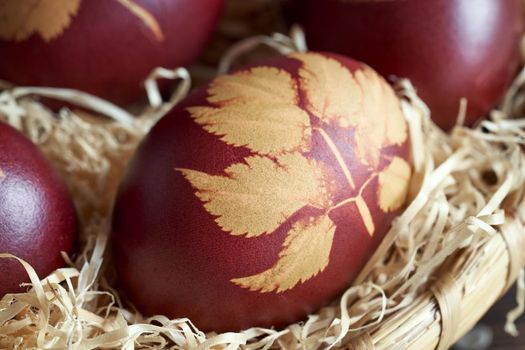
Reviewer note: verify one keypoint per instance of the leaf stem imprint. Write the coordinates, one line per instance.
(362, 206)
(330, 143)
(355, 198)
(145, 16)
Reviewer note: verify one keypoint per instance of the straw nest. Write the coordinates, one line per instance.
(452, 253)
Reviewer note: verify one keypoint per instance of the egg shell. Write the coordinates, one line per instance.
(195, 215)
(450, 49)
(37, 217)
(101, 46)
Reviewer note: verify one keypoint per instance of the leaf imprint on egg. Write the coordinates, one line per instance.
(19, 19)
(258, 109)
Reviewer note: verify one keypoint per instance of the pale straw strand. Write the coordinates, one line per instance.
(447, 293)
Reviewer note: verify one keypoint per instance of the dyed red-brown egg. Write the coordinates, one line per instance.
(450, 49)
(259, 198)
(37, 218)
(104, 47)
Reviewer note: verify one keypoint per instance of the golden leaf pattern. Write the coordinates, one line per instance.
(145, 16)
(19, 19)
(385, 125)
(265, 85)
(259, 109)
(393, 185)
(329, 86)
(374, 110)
(251, 107)
(257, 197)
(307, 240)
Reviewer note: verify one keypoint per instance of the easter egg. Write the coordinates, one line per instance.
(450, 49)
(104, 47)
(37, 217)
(259, 198)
